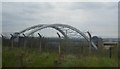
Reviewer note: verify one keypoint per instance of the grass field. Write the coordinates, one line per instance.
(18, 57)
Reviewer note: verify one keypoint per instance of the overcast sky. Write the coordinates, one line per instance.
(100, 18)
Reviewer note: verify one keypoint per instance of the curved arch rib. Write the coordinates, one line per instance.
(32, 27)
(60, 31)
(63, 25)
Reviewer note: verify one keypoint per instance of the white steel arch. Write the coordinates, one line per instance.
(56, 26)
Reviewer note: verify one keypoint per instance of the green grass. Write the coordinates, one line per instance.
(18, 57)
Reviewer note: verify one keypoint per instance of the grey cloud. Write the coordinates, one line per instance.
(84, 16)
(94, 5)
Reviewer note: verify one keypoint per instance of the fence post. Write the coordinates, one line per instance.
(59, 47)
(89, 42)
(40, 42)
(11, 40)
(18, 41)
(31, 41)
(110, 52)
(24, 41)
(2, 40)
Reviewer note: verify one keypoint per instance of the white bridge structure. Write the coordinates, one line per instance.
(66, 30)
